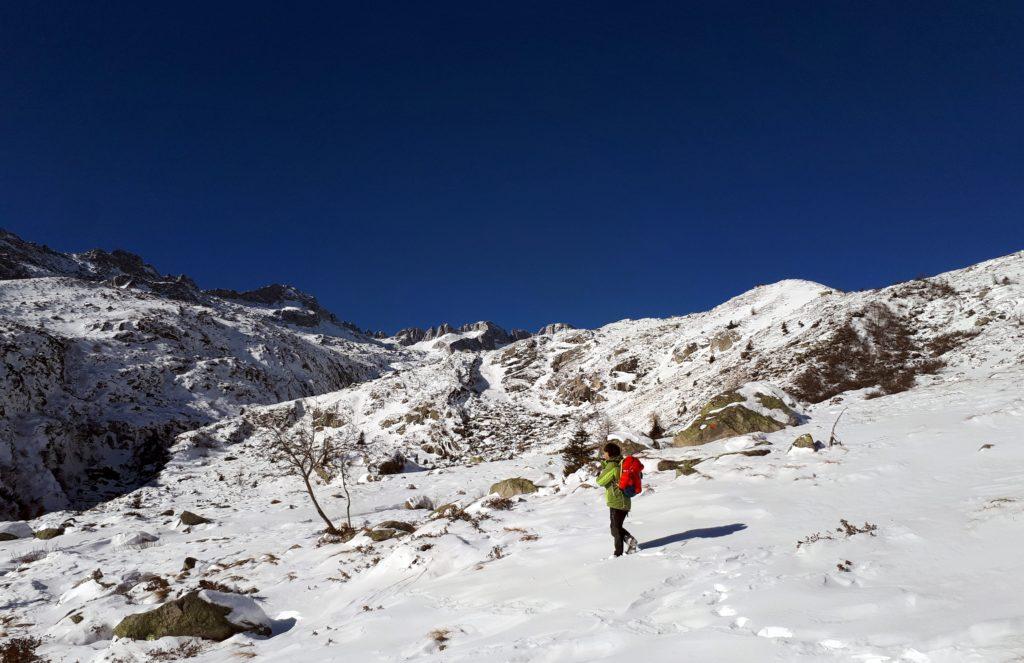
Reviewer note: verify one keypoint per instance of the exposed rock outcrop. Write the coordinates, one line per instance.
(757, 408)
(513, 487)
(206, 614)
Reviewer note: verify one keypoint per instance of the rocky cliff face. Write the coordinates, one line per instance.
(103, 361)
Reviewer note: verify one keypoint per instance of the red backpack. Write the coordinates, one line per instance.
(630, 481)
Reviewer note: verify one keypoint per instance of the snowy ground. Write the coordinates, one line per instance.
(719, 578)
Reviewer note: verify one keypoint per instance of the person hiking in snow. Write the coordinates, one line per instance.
(618, 502)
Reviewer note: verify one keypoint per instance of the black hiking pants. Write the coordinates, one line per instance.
(619, 533)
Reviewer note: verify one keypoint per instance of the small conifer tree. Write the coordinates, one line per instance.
(577, 452)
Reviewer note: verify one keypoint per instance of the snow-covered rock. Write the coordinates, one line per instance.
(134, 538)
(16, 529)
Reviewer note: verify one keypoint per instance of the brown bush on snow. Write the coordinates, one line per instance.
(875, 348)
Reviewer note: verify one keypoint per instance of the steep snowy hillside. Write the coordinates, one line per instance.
(103, 361)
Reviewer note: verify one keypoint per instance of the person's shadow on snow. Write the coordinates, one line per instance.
(705, 533)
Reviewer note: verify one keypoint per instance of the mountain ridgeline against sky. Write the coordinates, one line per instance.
(106, 362)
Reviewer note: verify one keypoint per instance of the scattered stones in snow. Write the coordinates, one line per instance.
(382, 534)
(190, 519)
(985, 446)
(419, 502)
(682, 353)
(394, 465)
(446, 510)
(724, 340)
(16, 529)
(733, 413)
(753, 453)
(203, 614)
(806, 441)
(397, 525)
(513, 487)
(682, 467)
(49, 533)
(189, 564)
(138, 538)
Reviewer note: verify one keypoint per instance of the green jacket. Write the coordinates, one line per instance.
(611, 470)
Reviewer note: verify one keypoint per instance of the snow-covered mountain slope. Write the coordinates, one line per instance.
(720, 575)
(103, 361)
(931, 372)
(812, 341)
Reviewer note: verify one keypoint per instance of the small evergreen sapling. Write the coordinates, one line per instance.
(577, 452)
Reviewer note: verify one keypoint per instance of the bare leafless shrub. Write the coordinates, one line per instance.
(21, 650)
(298, 438)
(441, 636)
(846, 529)
(159, 586)
(189, 649)
(944, 343)
(31, 556)
(499, 503)
(525, 536)
(453, 512)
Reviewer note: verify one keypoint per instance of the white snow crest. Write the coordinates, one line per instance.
(244, 610)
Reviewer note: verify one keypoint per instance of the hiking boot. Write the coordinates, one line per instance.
(631, 545)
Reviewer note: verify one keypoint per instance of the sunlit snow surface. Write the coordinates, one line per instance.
(719, 576)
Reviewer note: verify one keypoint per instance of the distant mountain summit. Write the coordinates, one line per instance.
(483, 335)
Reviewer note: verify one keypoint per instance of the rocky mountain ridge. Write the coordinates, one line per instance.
(650, 379)
(110, 368)
(103, 360)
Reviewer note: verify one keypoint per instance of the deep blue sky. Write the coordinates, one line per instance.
(410, 163)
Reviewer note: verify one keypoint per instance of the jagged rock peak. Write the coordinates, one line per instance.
(553, 328)
(275, 294)
(486, 335)
(438, 331)
(20, 259)
(409, 335)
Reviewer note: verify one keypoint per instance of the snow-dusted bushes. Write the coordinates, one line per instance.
(874, 348)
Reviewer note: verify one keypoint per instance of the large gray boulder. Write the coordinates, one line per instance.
(15, 529)
(513, 487)
(731, 413)
(204, 614)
